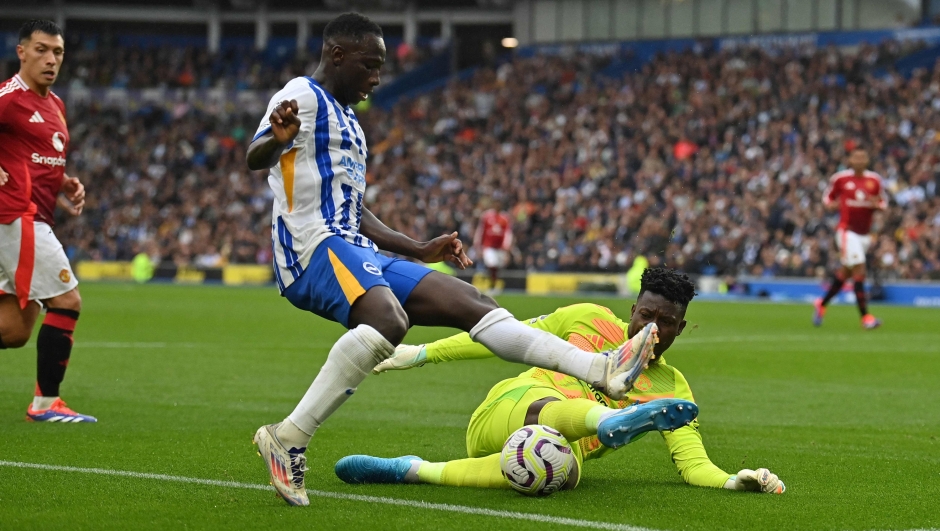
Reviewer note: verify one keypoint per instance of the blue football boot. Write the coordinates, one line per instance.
(664, 414)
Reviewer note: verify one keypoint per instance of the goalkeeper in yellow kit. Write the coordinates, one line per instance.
(569, 405)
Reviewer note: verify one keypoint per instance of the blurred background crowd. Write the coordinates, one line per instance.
(714, 162)
(101, 61)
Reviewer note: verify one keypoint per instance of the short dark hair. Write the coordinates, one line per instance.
(672, 285)
(351, 25)
(46, 26)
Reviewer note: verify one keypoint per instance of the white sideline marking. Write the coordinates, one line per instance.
(342, 496)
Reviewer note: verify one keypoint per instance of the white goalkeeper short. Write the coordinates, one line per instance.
(852, 247)
(33, 265)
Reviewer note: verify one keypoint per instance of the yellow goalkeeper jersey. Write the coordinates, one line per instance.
(594, 328)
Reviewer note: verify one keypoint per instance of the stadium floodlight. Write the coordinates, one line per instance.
(510, 42)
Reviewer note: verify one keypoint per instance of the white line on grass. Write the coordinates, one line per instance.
(447, 507)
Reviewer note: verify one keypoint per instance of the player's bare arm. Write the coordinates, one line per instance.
(265, 151)
(444, 248)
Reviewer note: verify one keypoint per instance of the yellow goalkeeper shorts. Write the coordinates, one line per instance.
(504, 411)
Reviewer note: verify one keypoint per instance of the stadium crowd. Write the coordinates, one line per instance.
(710, 161)
(103, 62)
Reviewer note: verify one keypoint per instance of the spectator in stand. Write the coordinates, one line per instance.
(710, 161)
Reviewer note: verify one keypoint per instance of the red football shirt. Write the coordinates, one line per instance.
(858, 197)
(34, 139)
(494, 231)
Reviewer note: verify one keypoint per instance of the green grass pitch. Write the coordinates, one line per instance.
(181, 376)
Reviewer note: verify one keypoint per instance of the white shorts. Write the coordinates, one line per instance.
(495, 258)
(852, 247)
(33, 265)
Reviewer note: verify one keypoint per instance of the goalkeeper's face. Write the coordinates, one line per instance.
(668, 316)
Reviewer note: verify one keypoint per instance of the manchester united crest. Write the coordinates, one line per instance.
(65, 276)
(643, 384)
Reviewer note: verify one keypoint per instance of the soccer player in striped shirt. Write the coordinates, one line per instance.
(326, 259)
(575, 408)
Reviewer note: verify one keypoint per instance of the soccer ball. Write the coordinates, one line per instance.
(536, 460)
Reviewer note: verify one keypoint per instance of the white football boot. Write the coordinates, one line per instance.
(286, 467)
(626, 363)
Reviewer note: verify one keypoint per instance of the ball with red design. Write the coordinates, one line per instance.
(536, 460)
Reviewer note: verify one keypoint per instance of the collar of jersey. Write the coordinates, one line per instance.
(328, 95)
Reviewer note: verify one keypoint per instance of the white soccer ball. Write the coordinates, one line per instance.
(536, 460)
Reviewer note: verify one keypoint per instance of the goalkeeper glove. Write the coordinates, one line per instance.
(405, 357)
(760, 480)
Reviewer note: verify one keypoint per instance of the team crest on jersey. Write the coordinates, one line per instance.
(871, 186)
(58, 141)
(62, 119)
(65, 276)
(371, 268)
(643, 384)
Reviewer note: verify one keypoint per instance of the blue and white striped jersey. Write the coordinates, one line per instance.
(320, 180)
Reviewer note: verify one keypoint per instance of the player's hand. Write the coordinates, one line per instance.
(405, 357)
(3, 177)
(285, 124)
(760, 480)
(74, 191)
(67, 206)
(446, 248)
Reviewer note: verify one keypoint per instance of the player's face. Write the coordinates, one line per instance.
(358, 71)
(858, 160)
(41, 57)
(668, 316)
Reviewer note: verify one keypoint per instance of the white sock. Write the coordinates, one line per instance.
(513, 341)
(291, 436)
(351, 359)
(43, 402)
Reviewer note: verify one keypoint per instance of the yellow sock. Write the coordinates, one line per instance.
(474, 472)
(575, 419)
(430, 472)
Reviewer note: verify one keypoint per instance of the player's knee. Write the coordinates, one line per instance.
(15, 338)
(394, 325)
(391, 321)
(68, 301)
(479, 298)
(487, 301)
(470, 306)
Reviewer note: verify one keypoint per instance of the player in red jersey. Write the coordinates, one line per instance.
(34, 138)
(494, 236)
(857, 193)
